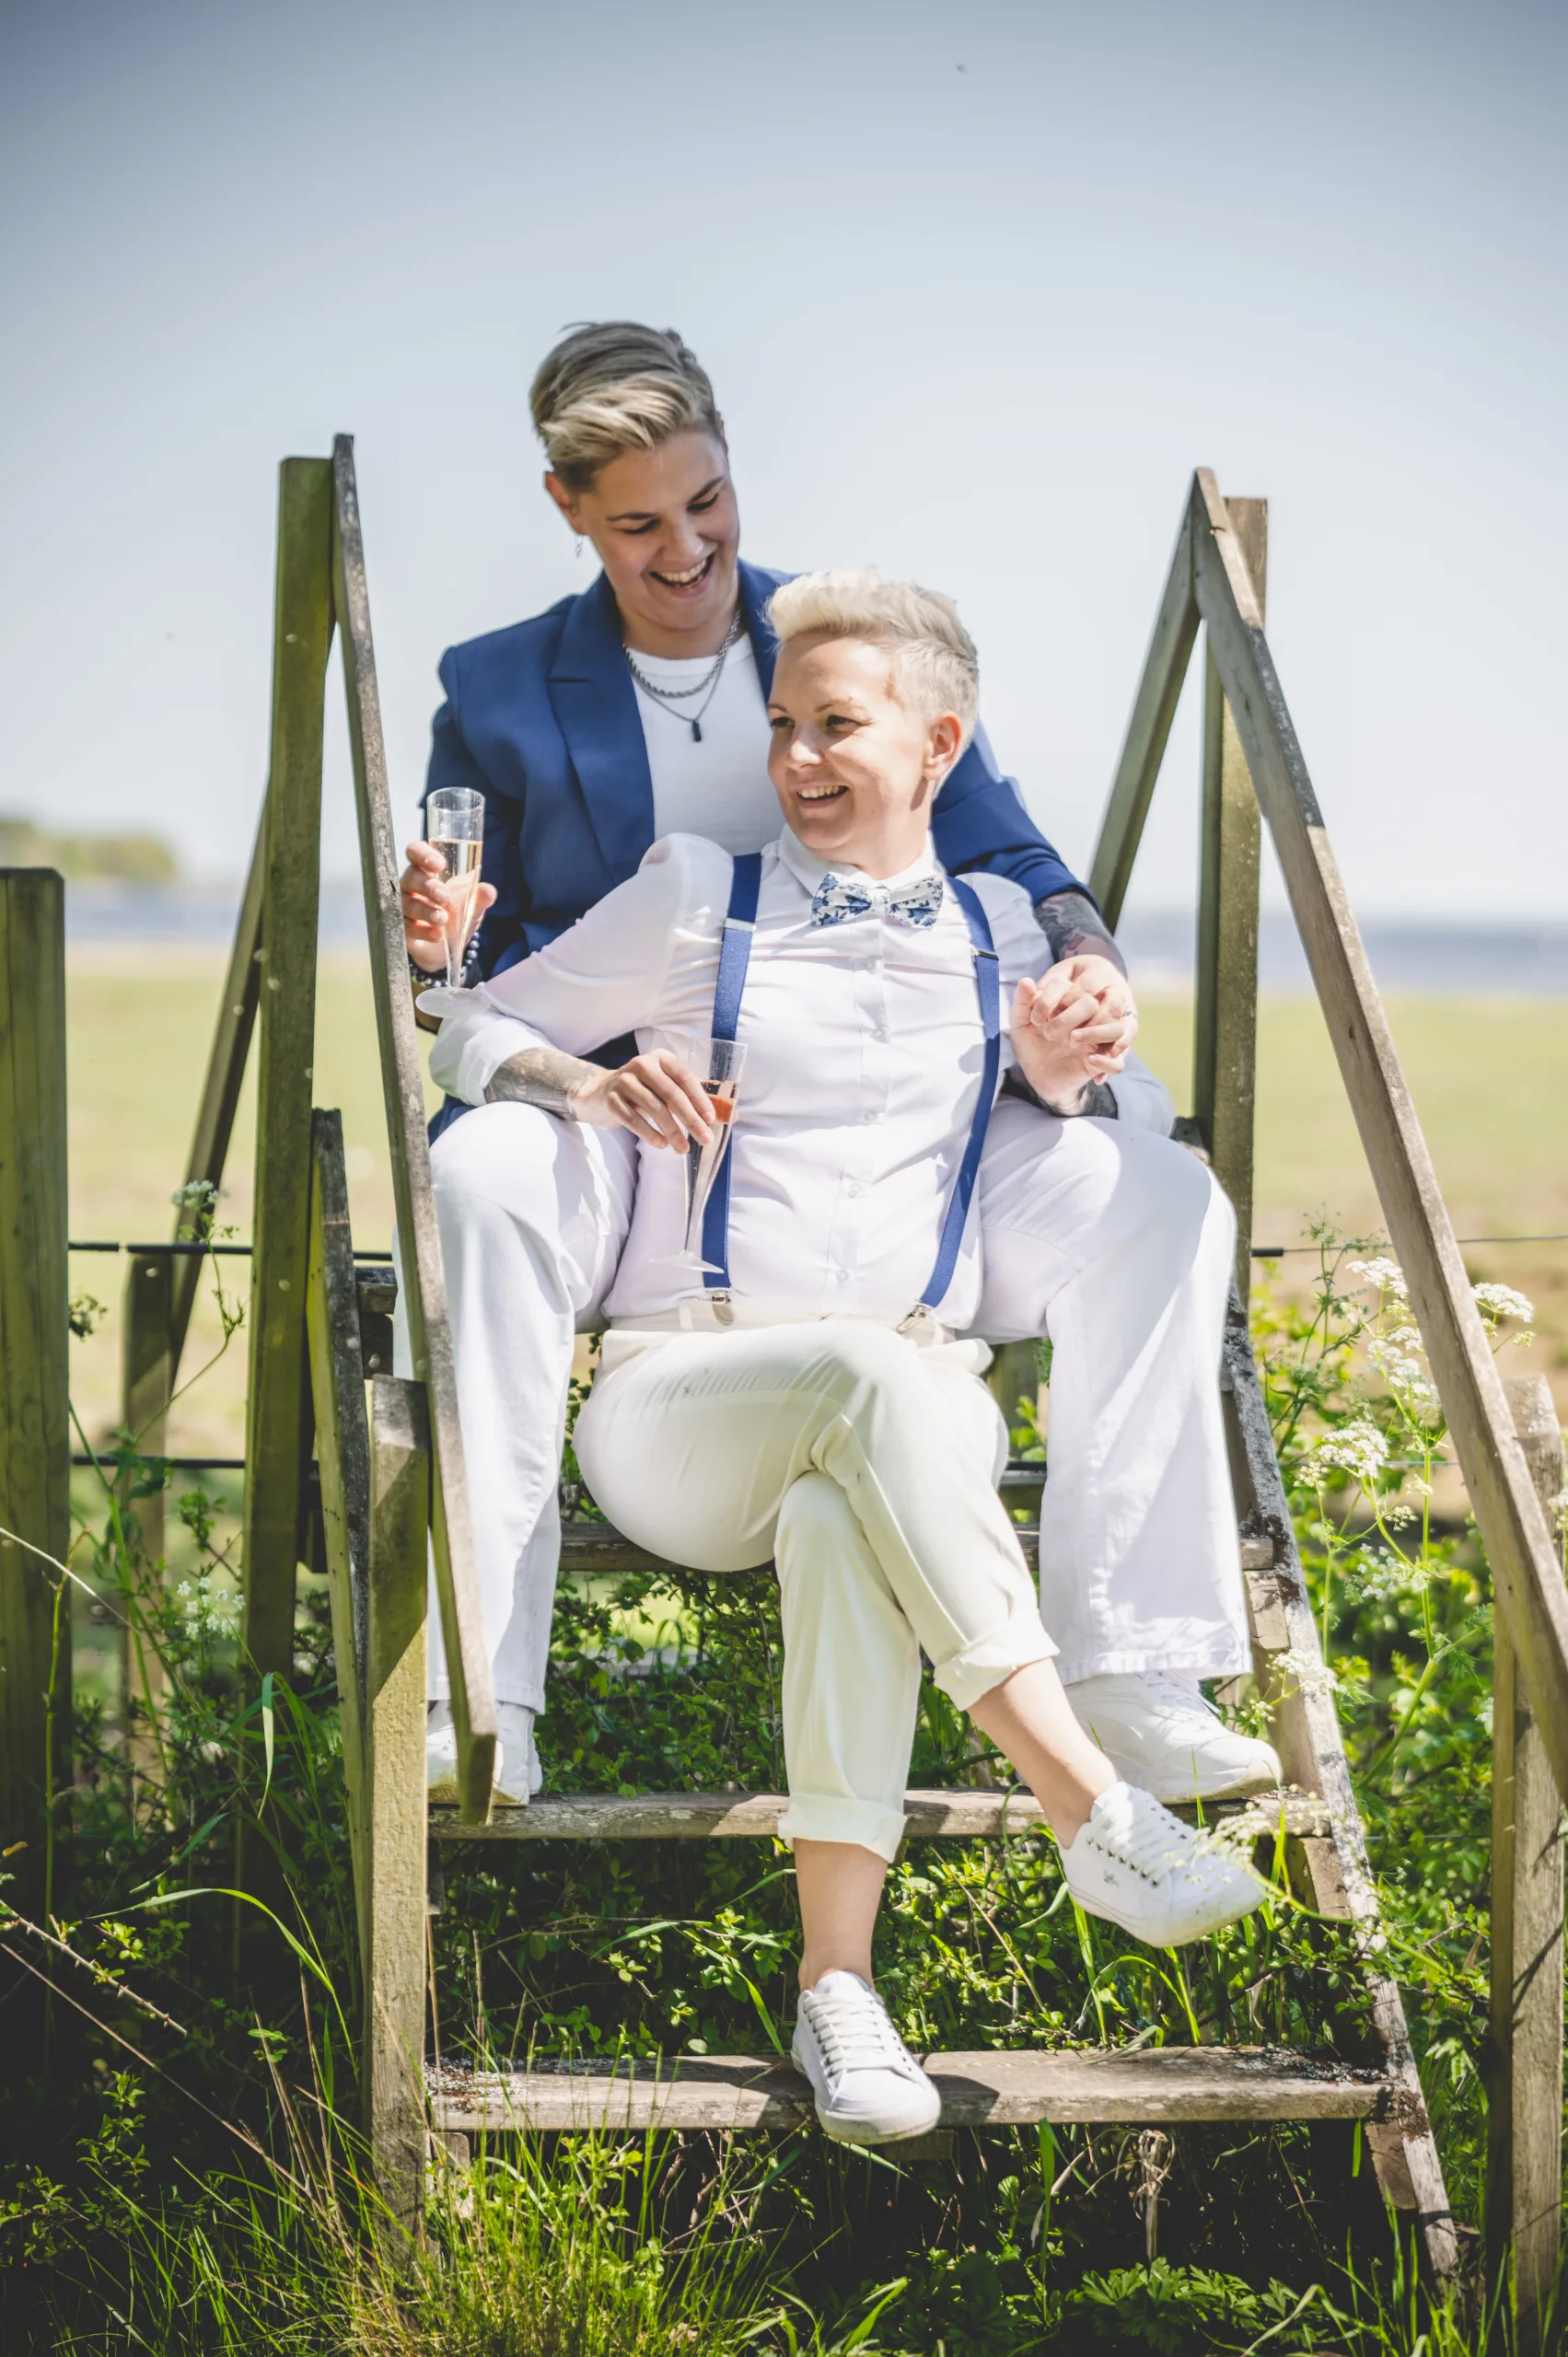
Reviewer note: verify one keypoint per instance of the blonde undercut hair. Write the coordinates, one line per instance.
(934, 660)
(615, 384)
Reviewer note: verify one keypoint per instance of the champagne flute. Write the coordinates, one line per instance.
(723, 1062)
(454, 825)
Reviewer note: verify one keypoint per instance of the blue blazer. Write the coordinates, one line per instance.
(542, 720)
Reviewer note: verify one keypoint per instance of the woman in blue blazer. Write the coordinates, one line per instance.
(633, 711)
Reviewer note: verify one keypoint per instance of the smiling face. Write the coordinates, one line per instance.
(855, 770)
(665, 525)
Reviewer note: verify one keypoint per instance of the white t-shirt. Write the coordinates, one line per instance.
(719, 787)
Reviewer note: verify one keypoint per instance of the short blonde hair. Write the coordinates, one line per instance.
(934, 657)
(614, 385)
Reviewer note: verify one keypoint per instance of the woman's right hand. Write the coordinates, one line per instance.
(656, 1096)
(427, 900)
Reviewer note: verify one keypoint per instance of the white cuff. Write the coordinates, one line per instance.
(475, 1040)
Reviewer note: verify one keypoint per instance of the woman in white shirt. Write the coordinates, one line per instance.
(806, 1398)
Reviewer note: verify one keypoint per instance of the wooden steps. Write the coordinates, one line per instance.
(1153, 2085)
(977, 1814)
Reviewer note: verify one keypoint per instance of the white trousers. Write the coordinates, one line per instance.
(867, 1469)
(1108, 1238)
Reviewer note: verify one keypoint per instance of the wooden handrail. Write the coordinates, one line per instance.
(457, 1575)
(1154, 709)
(1513, 1527)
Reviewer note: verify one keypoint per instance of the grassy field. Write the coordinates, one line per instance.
(1490, 1079)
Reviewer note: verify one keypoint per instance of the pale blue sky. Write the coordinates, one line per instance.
(978, 287)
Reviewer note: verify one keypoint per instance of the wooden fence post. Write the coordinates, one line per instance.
(35, 1432)
(1224, 1042)
(277, 1410)
(148, 1380)
(1524, 2162)
(393, 1912)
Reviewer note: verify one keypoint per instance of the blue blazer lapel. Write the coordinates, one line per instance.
(756, 588)
(596, 707)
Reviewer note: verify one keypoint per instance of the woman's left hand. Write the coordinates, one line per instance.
(1075, 1025)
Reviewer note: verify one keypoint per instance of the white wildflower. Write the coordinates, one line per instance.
(1502, 1301)
(1359, 1449)
(1384, 1276)
(1311, 1672)
(194, 1196)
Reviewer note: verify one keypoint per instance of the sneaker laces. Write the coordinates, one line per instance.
(1171, 1686)
(854, 2032)
(1152, 1844)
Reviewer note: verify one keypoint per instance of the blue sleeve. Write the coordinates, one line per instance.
(980, 821)
(452, 764)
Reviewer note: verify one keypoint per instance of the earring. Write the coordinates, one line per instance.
(579, 548)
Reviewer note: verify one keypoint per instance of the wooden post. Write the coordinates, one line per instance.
(1524, 2162)
(277, 1406)
(35, 1432)
(1225, 1027)
(342, 1457)
(419, 1243)
(1143, 748)
(148, 1380)
(394, 1909)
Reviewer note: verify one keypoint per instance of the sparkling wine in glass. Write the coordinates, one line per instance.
(454, 825)
(723, 1062)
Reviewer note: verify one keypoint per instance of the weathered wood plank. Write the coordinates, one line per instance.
(1329, 1870)
(343, 1459)
(1225, 1030)
(597, 1551)
(146, 1382)
(1165, 2084)
(1523, 2173)
(977, 1814)
(276, 1407)
(220, 1089)
(1154, 709)
(35, 1435)
(394, 1914)
(456, 1579)
(1513, 1527)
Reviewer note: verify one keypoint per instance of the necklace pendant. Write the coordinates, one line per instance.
(696, 732)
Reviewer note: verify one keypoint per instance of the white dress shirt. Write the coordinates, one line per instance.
(864, 1052)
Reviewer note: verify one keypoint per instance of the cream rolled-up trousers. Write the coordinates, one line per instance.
(532, 1213)
(866, 1467)
(1108, 1238)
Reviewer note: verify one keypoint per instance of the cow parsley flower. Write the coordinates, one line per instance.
(1359, 1449)
(1384, 1276)
(1501, 1301)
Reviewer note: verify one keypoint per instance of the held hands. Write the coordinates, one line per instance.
(427, 900)
(655, 1096)
(1072, 1027)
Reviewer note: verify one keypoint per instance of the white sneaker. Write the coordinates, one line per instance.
(1160, 1730)
(1139, 1866)
(869, 2088)
(514, 1741)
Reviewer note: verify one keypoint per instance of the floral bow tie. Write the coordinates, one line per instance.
(838, 898)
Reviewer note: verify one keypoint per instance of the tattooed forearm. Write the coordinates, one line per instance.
(542, 1076)
(1074, 927)
(1095, 1096)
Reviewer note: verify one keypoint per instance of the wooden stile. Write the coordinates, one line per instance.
(146, 1385)
(342, 1457)
(393, 1906)
(35, 1432)
(456, 1579)
(1154, 709)
(1513, 1526)
(276, 1435)
(1224, 1028)
(220, 1090)
(1523, 2173)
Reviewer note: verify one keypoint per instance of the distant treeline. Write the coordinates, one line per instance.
(123, 859)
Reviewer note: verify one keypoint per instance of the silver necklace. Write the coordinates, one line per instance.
(707, 687)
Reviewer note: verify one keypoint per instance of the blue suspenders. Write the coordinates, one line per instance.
(735, 953)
